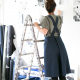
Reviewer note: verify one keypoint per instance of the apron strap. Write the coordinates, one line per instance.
(55, 24)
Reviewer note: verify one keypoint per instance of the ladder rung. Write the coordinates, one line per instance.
(30, 25)
(27, 40)
(36, 75)
(41, 57)
(31, 40)
(23, 67)
(26, 54)
(38, 40)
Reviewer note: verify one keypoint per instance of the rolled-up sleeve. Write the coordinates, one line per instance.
(44, 23)
(59, 23)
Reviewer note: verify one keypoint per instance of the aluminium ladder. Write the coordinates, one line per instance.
(41, 67)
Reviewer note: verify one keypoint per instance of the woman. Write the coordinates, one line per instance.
(56, 62)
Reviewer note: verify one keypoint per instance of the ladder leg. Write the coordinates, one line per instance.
(29, 69)
(23, 36)
(37, 53)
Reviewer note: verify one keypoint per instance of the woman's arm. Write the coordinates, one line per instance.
(42, 30)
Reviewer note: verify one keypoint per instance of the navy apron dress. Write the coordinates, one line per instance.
(56, 61)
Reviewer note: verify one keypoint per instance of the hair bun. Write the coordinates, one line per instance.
(49, 0)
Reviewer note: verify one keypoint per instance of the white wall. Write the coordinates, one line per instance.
(70, 31)
(1, 12)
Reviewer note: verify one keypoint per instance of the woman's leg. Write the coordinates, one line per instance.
(54, 78)
(62, 77)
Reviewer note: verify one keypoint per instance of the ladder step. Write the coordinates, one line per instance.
(34, 40)
(41, 57)
(30, 25)
(27, 40)
(26, 54)
(36, 75)
(23, 67)
(38, 40)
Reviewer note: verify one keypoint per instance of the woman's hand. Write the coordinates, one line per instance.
(42, 30)
(59, 12)
(36, 24)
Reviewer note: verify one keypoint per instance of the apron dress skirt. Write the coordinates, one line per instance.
(56, 61)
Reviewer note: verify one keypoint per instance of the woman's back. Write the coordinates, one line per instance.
(47, 23)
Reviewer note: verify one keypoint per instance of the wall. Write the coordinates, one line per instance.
(70, 31)
(1, 11)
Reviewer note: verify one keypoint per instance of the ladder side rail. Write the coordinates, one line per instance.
(19, 54)
(37, 53)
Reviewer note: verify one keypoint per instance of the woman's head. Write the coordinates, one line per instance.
(50, 5)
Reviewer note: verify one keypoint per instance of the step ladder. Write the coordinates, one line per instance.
(29, 23)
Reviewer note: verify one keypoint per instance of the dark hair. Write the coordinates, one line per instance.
(50, 5)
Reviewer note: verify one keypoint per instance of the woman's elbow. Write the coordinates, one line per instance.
(44, 31)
